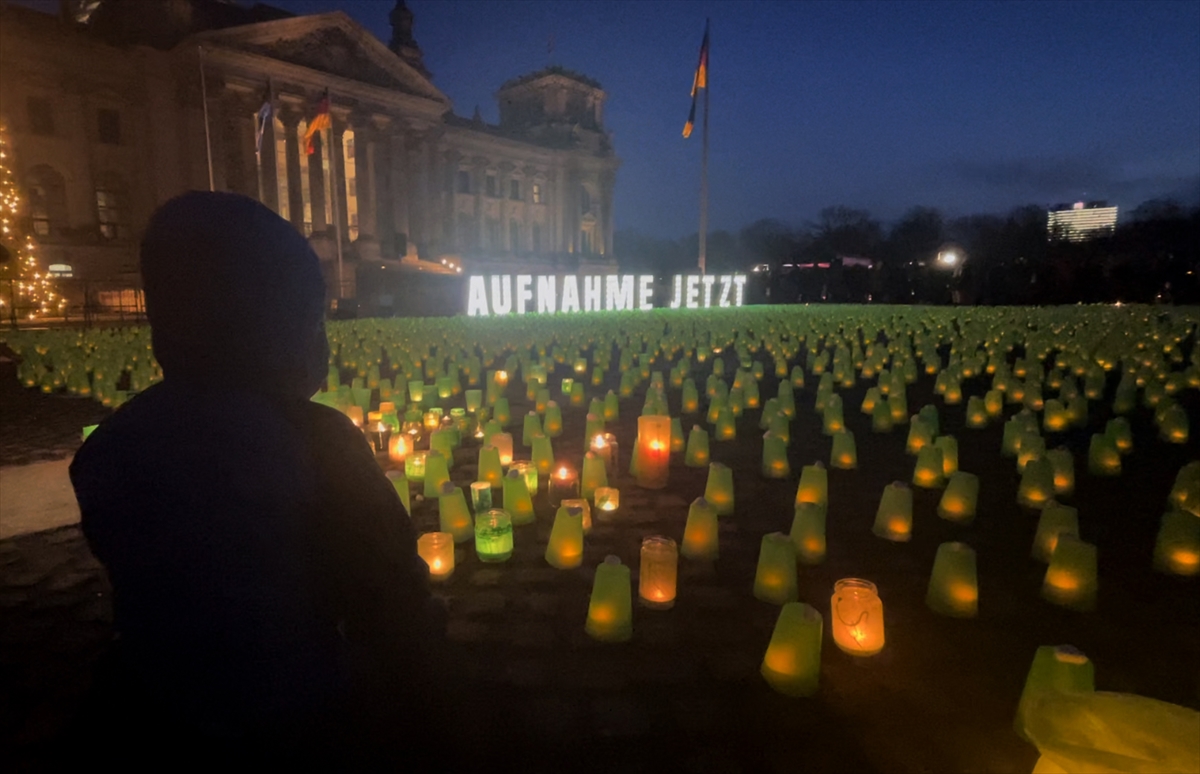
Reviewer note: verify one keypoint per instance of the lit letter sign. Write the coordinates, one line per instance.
(499, 295)
(618, 292)
(524, 291)
(546, 297)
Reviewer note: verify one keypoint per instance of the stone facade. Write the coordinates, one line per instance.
(107, 121)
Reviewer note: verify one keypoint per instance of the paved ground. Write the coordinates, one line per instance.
(685, 694)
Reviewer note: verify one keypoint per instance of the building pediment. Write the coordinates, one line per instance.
(330, 43)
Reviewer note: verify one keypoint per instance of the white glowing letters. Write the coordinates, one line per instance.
(504, 294)
(701, 292)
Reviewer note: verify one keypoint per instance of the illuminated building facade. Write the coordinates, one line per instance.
(107, 117)
(1080, 221)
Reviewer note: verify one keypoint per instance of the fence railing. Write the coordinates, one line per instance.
(89, 302)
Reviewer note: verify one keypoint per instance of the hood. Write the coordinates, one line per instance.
(234, 296)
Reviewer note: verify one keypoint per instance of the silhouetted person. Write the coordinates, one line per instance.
(268, 596)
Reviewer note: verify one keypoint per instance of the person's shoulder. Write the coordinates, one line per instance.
(329, 419)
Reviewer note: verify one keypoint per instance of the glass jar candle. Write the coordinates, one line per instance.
(493, 535)
(857, 617)
(481, 496)
(657, 577)
(564, 484)
(654, 451)
(437, 549)
(414, 466)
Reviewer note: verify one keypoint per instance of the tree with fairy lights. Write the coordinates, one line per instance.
(25, 287)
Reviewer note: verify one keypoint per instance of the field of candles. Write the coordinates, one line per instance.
(843, 538)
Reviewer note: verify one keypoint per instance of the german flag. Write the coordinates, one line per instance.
(699, 81)
(320, 121)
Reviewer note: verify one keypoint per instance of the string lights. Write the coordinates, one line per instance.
(31, 287)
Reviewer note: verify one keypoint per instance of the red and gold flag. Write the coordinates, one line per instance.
(320, 121)
(699, 81)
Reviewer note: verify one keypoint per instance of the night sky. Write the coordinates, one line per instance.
(964, 106)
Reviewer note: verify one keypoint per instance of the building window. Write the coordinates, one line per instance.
(305, 184)
(108, 123)
(41, 116)
(111, 210)
(47, 200)
(535, 237)
(514, 236)
(350, 173)
(492, 190)
(585, 201)
(61, 270)
(536, 193)
(493, 234)
(514, 190)
(464, 182)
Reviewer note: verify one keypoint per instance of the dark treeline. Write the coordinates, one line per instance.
(1153, 256)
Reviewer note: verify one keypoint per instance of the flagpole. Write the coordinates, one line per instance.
(207, 135)
(704, 159)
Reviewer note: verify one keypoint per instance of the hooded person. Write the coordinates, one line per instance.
(267, 591)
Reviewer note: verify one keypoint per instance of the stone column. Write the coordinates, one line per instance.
(337, 177)
(400, 180)
(502, 178)
(317, 184)
(479, 170)
(268, 175)
(449, 216)
(237, 135)
(364, 172)
(607, 184)
(291, 141)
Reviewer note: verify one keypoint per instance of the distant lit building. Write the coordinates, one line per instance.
(1080, 221)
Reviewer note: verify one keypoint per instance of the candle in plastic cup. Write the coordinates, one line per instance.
(808, 533)
(792, 663)
(893, 519)
(775, 578)
(610, 610)
(718, 489)
(490, 470)
(960, 499)
(953, 584)
(814, 485)
(453, 514)
(700, 533)
(1177, 549)
(565, 547)
(844, 455)
(437, 472)
(696, 455)
(542, 455)
(517, 501)
(1055, 669)
(774, 457)
(1071, 577)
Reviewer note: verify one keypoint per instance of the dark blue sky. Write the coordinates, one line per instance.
(964, 106)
